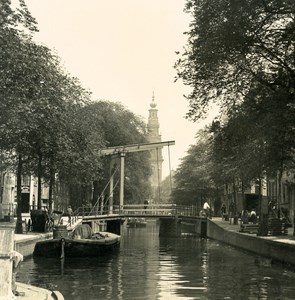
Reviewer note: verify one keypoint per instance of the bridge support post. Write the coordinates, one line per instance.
(170, 227)
(111, 199)
(114, 226)
(122, 177)
(201, 227)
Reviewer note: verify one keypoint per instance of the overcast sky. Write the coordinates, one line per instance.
(123, 51)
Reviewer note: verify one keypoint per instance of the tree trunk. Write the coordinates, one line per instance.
(39, 182)
(51, 185)
(243, 195)
(235, 196)
(2, 173)
(259, 197)
(19, 226)
(279, 191)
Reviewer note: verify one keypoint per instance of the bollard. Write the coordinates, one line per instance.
(6, 255)
(16, 259)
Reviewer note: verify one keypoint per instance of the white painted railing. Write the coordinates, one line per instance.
(142, 209)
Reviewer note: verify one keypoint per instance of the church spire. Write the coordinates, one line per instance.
(156, 157)
(153, 104)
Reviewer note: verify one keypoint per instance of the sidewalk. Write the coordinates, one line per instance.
(286, 239)
(276, 248)
(38, 235)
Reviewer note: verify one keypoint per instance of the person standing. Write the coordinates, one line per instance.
(223, 211)
(253, 217)
(232, 211)
(70, 212)
(206, 208)
(245, 217)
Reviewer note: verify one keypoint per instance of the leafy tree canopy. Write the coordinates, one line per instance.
(193, 181)
(119, 126)
(233, 43)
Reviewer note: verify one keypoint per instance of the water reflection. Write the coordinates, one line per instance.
(147, 267)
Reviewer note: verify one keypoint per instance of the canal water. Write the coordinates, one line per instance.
(149, 267)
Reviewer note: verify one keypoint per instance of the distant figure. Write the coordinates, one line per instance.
(206, 205)
(232, 211)
(206, 208)
(146, 203)
(245, 217)
(203, 214)
(54, 218)
(223, 211)
(253, 217)
(70, 212)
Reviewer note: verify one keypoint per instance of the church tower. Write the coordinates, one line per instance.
(156, 158)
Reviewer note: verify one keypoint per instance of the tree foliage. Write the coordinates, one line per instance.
(119, 126)
(13, 45)
(193, 182)
(40, 107)
(231, 44)
(240, 55)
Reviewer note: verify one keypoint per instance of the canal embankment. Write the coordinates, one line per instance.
(277, 248)
(25, 243)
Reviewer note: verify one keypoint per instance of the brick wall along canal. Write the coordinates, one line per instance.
(147, 267)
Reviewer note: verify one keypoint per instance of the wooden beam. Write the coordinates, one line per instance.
(135, 148)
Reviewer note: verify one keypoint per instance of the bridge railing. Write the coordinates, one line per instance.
(154, 209)
(90, 211)
(141, 209)
(158, 209)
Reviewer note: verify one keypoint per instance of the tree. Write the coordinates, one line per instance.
(256, 138)
(121, 127)
(240, 55)
(16, 28)
(166, 188)
(231, 44)
(39, 102)
(193, 181)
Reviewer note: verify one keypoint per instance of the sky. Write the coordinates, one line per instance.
(124, 51)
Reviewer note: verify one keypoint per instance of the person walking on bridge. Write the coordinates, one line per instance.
(207, 209)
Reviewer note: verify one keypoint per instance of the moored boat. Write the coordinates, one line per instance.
(82, 242)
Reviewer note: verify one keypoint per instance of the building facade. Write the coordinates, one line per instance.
(29, 192)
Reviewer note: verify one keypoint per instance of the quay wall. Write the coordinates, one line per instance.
(173, 226)
(264, 246)
(270, 247)
(26, 243)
